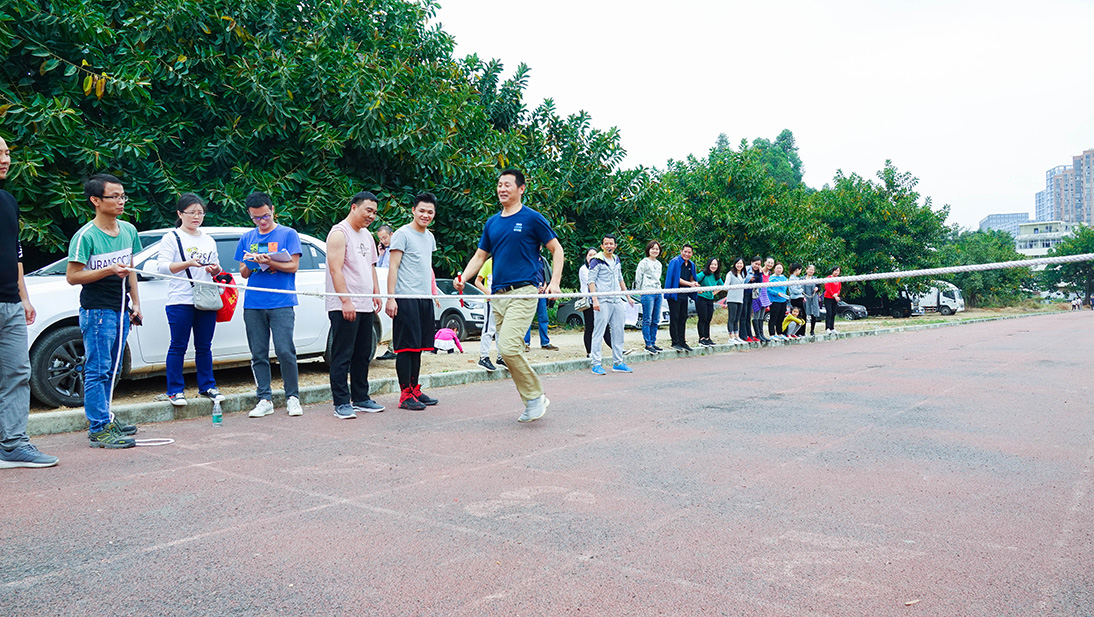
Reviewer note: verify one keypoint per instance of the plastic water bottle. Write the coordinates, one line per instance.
(218, 415)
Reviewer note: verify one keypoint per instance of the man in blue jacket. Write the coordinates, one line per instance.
(680, 273)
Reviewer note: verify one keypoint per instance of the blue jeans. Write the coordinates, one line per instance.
(102, 347)
(541, 315)
(183, 319)
(281, 322)
(651, 317)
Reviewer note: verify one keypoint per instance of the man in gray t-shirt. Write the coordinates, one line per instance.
(412, 326)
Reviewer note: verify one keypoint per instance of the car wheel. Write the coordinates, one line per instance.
(945, 310)
(575, 321)
(454, 321)
(898, 313)
(849, 315)
(57, 368)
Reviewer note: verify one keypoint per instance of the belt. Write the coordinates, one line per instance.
(508, 288)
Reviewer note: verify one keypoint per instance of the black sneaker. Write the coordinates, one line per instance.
(487, 364)
(423, 398)
(678, 348)
(500, 361)
(650, 350)
(122, 427)
(388, 355)
(658, 349)
(109, 437)
(407, 401)
(687, 347)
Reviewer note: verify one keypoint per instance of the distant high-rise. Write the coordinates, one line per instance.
(1069, 192)
(1008, 222)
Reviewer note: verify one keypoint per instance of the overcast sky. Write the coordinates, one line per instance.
(976, 99)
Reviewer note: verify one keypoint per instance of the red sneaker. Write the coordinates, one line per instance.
(424, 399)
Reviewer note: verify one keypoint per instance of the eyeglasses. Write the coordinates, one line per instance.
(263, 218)
(120, 198)
(194, 212)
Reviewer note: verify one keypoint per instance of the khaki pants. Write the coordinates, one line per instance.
(512, 319)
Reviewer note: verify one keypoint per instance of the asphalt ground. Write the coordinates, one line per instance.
(941, 472)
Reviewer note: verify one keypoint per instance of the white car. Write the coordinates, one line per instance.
(57, 347)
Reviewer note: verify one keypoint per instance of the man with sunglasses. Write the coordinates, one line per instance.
(269, 256)
(100, 259)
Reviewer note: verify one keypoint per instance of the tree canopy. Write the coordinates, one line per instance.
(312, 101)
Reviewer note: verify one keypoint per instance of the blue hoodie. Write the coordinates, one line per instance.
(677, 271)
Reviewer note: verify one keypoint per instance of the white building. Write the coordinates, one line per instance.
(1035, 239)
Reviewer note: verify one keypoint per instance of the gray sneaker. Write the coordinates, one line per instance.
(109, 437)
(25, 455)
(369, 406)
(534, 409)
(345, 412)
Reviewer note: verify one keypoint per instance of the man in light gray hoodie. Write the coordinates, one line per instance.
(606, 274)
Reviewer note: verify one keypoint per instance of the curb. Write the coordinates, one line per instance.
(71, 420)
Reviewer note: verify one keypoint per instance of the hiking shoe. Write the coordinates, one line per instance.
(621, 368)
(534, 409)
(487, 364)
(407, 401)
(178, 400)
(369, 406)
(500, 361)
(598, 370)
(109, 437)
(25, 455)
(345, 412)
(121, 427)
(422, 397)
(263, 408)
(293, 404)
(549, 347)
(212, 394)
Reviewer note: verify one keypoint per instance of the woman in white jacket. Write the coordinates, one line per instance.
(189, 250)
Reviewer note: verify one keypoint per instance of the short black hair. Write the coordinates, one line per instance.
(757, 258)
(606, 236)
(687, 246)
(428, 198)
(257, 200)
(650, 245)
(96, 185)
(364, 196)
(795, 266)
(515, 173)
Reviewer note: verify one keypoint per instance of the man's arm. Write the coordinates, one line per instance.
(471, 270)
(558, 259)
(395, 257)
(135, 303)
(336, 259)
(287, 267)
(75, 273)
(28, 308)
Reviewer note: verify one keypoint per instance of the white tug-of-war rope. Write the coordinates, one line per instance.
(1002, 265)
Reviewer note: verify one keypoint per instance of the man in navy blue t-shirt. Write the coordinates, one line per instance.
(514, 237)
(269, 256)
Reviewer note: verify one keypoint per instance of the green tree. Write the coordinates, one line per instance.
(307, 100)
(990, 287)
(883, 226)
(1075, 277)
(781, 158)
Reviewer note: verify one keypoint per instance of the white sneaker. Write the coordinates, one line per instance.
(293, 404)
(263, 408)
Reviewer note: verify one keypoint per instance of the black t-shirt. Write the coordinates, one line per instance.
(11, 252)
